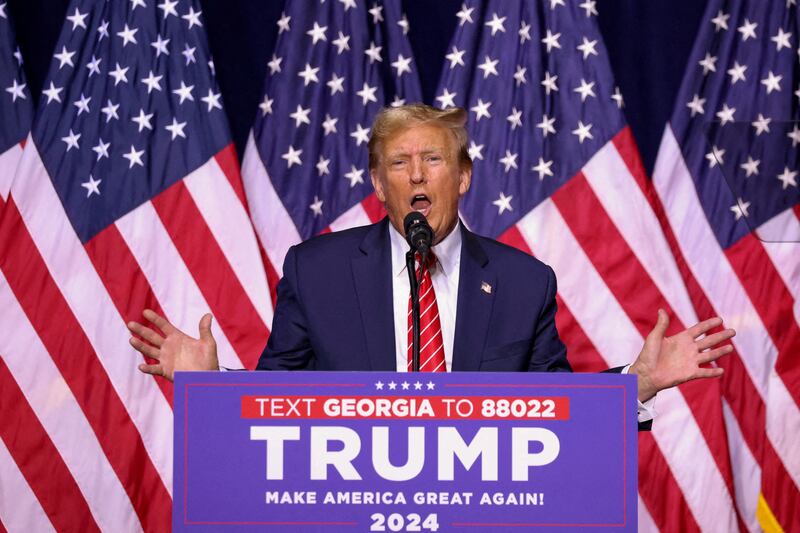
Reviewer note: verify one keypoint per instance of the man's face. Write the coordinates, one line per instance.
(419, 170)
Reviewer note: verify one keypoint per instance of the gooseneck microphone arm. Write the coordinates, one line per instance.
(420, 238)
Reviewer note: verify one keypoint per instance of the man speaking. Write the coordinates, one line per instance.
(343, 303)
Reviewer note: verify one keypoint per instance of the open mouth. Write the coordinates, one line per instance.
(421, 203)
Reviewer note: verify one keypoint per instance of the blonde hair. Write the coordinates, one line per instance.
(391, 120)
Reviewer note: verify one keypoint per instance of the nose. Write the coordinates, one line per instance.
(417, 170)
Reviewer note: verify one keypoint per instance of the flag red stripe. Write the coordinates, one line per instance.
(230, 303)
(373, 208)
(773, 302)
(62, 335)
(229, 163)
(125, 282)
(779, 490)
(39, 461)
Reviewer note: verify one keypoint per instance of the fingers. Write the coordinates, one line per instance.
(146, 333)
(144, 348)
(153, 370)
(660, 329)
(706, 325)
(713, 355)
(205, 328)
(709, 372)
(159, 321)
(714, 339)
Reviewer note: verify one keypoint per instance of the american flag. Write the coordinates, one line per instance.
(15, 104)
(726, 177)
(305, 168)
(127, 196)
(557, 174)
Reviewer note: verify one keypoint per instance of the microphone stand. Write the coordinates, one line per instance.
(414, 283)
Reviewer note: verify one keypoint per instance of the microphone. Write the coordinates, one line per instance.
(418, 232)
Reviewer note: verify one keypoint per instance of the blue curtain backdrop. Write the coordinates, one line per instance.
(648, 41)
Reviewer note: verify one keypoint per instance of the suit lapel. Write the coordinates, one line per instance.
(372, 273)
(476, 293)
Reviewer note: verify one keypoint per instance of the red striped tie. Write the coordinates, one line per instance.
(431, 353)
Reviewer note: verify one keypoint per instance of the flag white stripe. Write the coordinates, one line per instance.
(626, 205)
(62, 418)
(595, 307)
(646, 523)
(781, 240)
(229, 223)
(169, 278)
(8, 165)
(19, 508)
(273, 225)
(353, 217)
(73, 273)
(746, 472)
(715, 275)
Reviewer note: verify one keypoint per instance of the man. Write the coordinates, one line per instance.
(343, 300)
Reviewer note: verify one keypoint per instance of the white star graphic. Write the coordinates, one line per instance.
(134, 157)
(708, 63)
(503, 203)
(794, 135)
(585, 90)
(748, 29)
(94, 65)
(348, 4)
(475, 150)
(17, 91)
(82, 104)
(153, 82)
(750, 167)
(300, 116)
(283, 23)
(583, 132)
(292, 157)
(77, 19)
(446, 99)
(715, 157)
(336, 84)
(102, 30)
(696, 105)
(64, 57)
(184, 92)
(549, 83)
(496, 24)
(309, 75)
(266, 106)
(316, 206)
(367, 94)
(376, 12)
(71, 140)
(403, 23)
(431, 385)
(402, 65)
(761, 124)
(465, 15)
(168, 8)
(781, 39)
(588, 47)
(18, 56)
(392, 385)
(405, 385)
(193, 18)
(317, 33)
(101, 149)
(456, 57)
(128, 35)
(53, 93)
(342, 43)
(519, 75)
(772, 82)
(160, 45)
(590, 6)
(329, 124)
(274, 64)
(355, 176)
(417, 386)
(360, 134)
(397, 102)
(740, 208)
(554, 3)
(515, 118)
(725, 114)
(212, 100)
(322, 166)
(3, 10)
(176, 128)
(489, 67)
(379, 385)
(374, 53)
(546, 125)
(617, 97)
(188, 53)
(509, 161)
(143, 120)
(137, 3)
(110, 111)
(543, 168)
(551, 41)
(119, 74)
(481, 109)
(788, 178)
(737, 72)
(92, 186)
(720, 21)
(524, 32)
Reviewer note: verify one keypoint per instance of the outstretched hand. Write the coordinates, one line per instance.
(175, 350)
(665, 362)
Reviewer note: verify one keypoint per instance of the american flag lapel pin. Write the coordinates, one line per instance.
(485, 287)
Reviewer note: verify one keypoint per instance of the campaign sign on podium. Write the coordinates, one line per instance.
(350, 451)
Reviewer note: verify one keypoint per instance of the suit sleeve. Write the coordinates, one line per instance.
(548, 354)
(289, 346)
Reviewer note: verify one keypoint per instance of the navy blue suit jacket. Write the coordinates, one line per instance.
(335, 309)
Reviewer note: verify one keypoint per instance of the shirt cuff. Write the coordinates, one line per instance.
(645, 411)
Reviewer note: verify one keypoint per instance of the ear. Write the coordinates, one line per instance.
(464, 180)
(377, 185)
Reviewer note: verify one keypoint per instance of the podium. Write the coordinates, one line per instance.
(370, 451)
